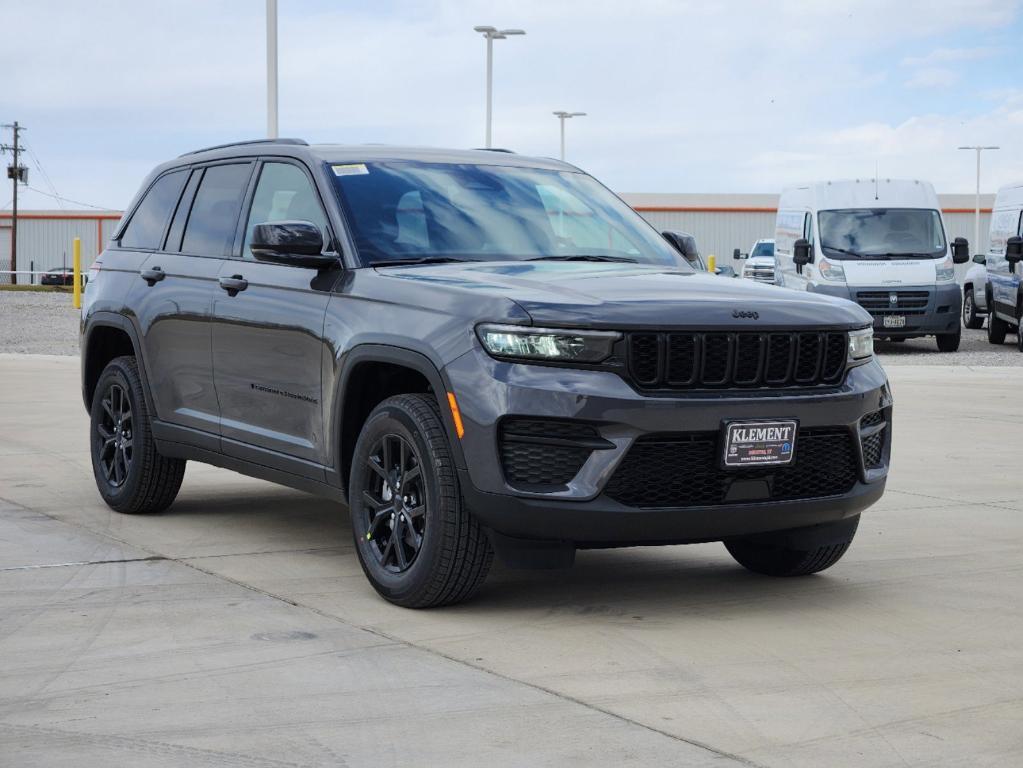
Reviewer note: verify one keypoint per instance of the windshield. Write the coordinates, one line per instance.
(882, 232)
(410, 211)
(763, 249)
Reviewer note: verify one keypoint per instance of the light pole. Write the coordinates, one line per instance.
(271, 69)
(976, 212)
(562, 117)
(492, 34)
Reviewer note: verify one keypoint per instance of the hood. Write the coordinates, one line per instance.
(621, 296)
(760, 261)
(865, 273)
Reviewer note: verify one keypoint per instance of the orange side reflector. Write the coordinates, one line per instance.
(456, 415)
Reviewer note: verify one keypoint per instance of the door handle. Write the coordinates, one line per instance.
(233, 284)
(152, 276)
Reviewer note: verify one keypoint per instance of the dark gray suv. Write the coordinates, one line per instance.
(477, 352)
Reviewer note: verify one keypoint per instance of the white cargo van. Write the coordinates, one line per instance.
(1004, 290)
(880, 243)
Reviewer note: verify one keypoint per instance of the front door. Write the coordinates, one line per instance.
(268, 349)
(1004, 280)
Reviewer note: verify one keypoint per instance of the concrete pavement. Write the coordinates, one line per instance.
(237, 628)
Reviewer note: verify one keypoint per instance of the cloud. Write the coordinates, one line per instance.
(680, 94)
(934, 77)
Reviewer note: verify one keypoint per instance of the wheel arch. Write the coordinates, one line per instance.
(108, 335)
(371, 373)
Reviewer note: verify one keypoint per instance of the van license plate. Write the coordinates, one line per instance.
(759, 443)
(894, 321)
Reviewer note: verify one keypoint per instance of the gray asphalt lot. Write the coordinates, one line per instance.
(237, 628)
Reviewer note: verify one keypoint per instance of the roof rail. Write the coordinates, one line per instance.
(494, 149)
(299, 142)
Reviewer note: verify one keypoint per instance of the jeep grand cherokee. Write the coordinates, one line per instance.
(477, 352)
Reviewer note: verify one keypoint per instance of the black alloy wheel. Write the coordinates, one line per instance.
(114, 436)
(394, 504)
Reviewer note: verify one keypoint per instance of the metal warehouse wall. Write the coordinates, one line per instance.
(45, 239)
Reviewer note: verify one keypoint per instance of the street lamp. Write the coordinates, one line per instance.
(976, 212)
(492, 34)
(562, 117)
(271, 69)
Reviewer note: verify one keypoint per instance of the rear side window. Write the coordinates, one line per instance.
(214, 217)
(145, 230)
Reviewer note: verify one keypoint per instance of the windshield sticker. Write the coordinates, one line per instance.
(353, 169)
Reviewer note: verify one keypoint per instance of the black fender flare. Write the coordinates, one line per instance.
(106, 319)
(383, 353)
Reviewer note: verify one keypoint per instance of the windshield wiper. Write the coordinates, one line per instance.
(416, 260)
(583, 257)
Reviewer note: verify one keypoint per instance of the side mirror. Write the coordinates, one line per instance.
(736, 254)
(960, 250)
(980, 258)
(295, 243)
(1014, 249)
(801, 253)
(685, 244)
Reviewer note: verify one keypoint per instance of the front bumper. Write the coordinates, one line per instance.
(579, 511)
(940, 314)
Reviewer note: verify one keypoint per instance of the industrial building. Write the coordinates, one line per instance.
(720, 223)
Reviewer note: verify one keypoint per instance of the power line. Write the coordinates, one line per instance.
(69, 200)
(45, 175)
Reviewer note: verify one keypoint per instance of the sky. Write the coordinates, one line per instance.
(680, 96)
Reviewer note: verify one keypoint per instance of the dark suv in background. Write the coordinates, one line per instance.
(477, 352)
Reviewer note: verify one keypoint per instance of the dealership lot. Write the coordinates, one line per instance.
(237, 628)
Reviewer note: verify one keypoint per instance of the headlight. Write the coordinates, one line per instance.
(861, 343)
(946, 270)
(521, 343)
(831, 271)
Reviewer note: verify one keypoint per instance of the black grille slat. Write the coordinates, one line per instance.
(717, 358)
(906, 302)
(873, 445)
(683, 351)
(722, 360)
(683, 470)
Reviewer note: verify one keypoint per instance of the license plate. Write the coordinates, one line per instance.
(759, 443)
(894, 321)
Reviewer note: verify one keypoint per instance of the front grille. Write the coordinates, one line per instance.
(544, 452)
(905, 303)
(760, 274)
(687, 360)
(873, 445)
(683, 470)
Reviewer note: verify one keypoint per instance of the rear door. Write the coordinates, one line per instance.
(174, 297)
(268, 349)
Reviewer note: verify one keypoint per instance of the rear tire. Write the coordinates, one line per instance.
(131, 476)
(970, 317)
(949, 342)
(417, 543)
(996, 329)
(794, 553)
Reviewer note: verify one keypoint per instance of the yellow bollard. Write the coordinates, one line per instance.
(76, 262)
(712, 263)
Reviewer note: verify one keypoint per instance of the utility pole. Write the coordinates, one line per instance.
(15, 172)
(976, 212)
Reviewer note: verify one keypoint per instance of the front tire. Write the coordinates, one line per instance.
(949, 342)
(996, 328)
(131, 476)
(970, 317)
(794, 553)
(417, 543)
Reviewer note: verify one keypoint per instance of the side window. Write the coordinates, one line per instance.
(214, 216)
(145, 229)
(284, 193)
(808, 228)
(177, 227)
